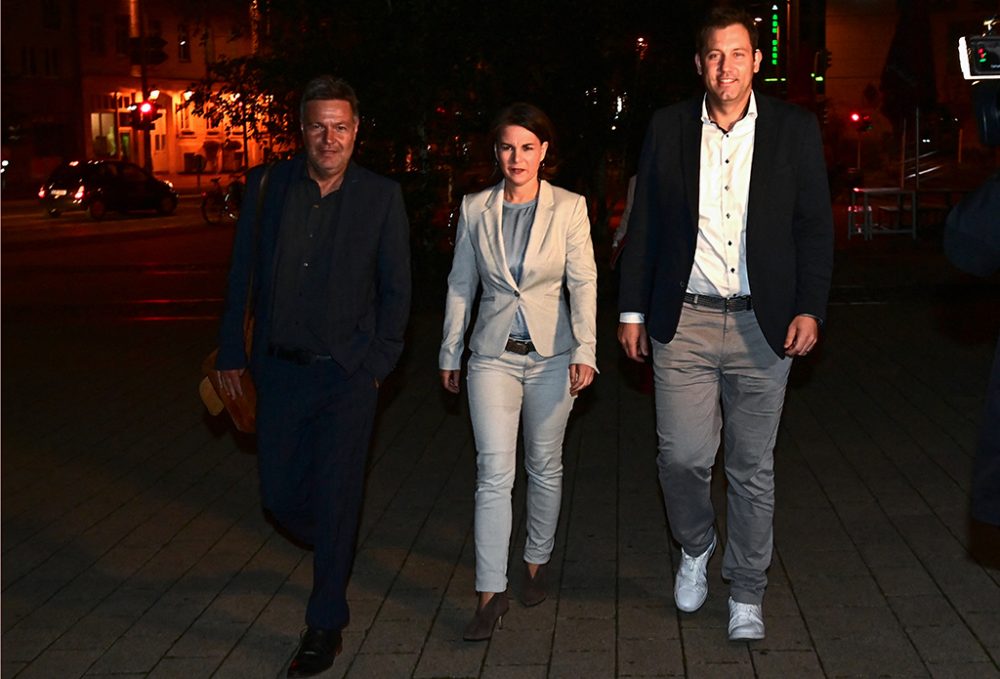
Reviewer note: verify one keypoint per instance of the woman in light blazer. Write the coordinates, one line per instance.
(527, 243)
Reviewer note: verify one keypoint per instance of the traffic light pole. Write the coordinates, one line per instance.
(147, 151)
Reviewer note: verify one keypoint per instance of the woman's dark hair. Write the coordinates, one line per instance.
(533, 119)
(721, 17)
(326, 87)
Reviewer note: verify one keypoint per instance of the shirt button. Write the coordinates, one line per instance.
(727, 161)
(730, 243)
(726, 188)
(727, 215)
(732, 271)
(305, 264)
(517, 294)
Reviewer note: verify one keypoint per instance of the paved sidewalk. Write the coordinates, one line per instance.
(134, 546)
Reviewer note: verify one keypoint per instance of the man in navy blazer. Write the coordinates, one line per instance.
(725, 278)
(331, 280)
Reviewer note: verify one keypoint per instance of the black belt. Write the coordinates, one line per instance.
(518, 347)
(299, 356)
(720, 303)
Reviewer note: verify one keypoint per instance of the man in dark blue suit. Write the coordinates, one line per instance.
(724, 280)
(331, 295)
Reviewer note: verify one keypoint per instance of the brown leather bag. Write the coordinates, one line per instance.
(243, 409)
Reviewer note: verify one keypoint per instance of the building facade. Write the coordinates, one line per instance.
(73, 72)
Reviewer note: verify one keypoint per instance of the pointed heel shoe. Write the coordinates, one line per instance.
(491, 614)
(533, 588)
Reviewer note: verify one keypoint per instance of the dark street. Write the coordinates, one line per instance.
(134, 544)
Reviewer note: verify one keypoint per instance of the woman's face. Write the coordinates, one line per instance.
(520, 154)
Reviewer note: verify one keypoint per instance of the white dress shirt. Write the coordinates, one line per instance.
(720, 262)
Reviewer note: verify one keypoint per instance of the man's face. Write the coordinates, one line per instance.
(328, 130)
(726, 66)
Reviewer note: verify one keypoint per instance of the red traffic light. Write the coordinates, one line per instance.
(862, 121)
(146, 108)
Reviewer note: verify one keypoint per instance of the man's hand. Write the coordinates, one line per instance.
(580, 377)
(803, 333)
(634, 340)
(230, 381)
(450, 380)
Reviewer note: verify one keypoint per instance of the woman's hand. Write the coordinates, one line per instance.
(450, 380)
(580, 377)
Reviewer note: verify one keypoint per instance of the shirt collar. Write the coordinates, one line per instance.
(751, 111)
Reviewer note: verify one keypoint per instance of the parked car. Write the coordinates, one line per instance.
(100, 186)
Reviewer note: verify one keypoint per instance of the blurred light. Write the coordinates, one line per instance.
(855, 117)
(145, 107)
(41, 192)
(187, 95)
(154, 94)
(78, 196)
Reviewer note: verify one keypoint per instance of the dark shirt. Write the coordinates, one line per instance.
(302, 267)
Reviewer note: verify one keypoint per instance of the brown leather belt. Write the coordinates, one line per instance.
(720, 303)
(517, 347)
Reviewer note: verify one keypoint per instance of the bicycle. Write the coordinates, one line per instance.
(218, 204)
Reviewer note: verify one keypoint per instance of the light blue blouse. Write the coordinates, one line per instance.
(516, 226)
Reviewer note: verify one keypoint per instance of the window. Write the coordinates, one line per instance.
(50, 62)
(28, 64)
(183, 44)
(183, 118)
(51, 16)
(95, 32)
(121, 35)
(102, 127)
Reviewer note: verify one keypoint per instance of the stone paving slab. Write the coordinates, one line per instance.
(134, 546)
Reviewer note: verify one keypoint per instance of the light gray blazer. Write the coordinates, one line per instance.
(558, 261)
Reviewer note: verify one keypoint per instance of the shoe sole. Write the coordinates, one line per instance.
(746, 637)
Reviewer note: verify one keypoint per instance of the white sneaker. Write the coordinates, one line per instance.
(746, 621)
(691, 584)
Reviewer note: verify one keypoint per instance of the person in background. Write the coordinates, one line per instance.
(527, 245)
(972, 243)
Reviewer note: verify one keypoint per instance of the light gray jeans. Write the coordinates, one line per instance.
(718, 373)
(503, 391)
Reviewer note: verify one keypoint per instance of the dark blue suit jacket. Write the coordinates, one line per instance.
(789, 234)
(369, 287)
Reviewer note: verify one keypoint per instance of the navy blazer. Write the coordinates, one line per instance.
(369, 287)
(789, 232)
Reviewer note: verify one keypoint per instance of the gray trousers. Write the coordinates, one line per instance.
(719, 374)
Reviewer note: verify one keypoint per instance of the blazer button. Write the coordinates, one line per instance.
(517, 294)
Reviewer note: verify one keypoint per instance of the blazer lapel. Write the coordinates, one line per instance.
(762, 166)
(540, 225)
(691, 157)
(492, 215)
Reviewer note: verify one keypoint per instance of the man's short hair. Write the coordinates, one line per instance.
(721, 17)
(326, 87)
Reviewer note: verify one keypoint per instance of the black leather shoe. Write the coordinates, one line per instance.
(316, 652)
